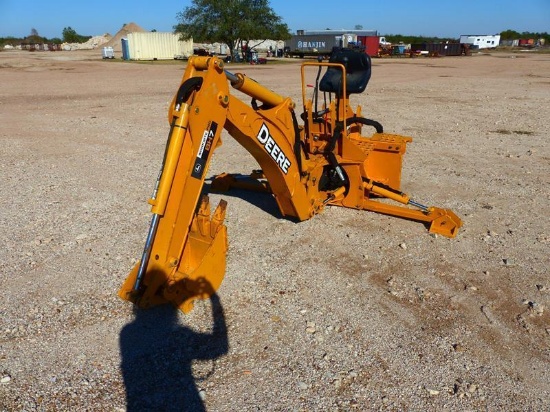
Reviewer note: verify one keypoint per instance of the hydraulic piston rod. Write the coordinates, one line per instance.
(253, 89)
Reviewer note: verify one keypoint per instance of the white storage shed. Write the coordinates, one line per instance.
(158, 46)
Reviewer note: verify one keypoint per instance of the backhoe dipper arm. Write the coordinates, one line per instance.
(184, 243)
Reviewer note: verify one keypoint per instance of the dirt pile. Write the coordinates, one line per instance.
(115, 42)
(93, 43)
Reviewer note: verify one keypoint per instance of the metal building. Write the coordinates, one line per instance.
(157, 46)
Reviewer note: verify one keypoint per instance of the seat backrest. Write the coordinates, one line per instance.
(358, 71)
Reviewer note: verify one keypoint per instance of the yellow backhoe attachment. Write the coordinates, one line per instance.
(325, 161)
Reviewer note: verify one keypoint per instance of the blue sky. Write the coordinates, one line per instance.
(428, 17)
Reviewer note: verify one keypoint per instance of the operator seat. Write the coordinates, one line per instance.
(358, 71)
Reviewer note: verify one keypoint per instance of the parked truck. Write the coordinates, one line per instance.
(320, 43)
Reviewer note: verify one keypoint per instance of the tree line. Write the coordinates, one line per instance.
(504, 35)
(68, 35)
(514, 35)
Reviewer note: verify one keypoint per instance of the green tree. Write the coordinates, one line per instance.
(34, 37)
(71, 36)
(509, 35)
(231, 22)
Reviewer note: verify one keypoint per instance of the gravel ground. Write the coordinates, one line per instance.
(347, 311)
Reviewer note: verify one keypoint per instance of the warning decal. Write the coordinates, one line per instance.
(204, 150)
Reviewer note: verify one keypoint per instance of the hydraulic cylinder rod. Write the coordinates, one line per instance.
(394, 195)
(253, 89)
(163, 185)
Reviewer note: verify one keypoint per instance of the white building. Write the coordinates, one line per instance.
(156, 46)
(483, 41)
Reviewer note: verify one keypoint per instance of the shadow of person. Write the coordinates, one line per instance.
(157, 354)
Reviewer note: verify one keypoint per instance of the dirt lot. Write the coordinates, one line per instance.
(347, 311)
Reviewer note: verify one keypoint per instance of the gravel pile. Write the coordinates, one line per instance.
(93, 43)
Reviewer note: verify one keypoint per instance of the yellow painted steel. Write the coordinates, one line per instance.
(187, 255)
(380, 191)
(257, 91)
(179, 128)
(326, 161)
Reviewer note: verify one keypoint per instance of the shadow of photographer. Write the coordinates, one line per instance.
(157, 354)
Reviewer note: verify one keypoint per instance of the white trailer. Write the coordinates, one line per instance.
(482, 41)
